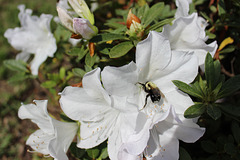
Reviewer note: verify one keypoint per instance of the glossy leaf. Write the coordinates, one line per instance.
(187, 89)
(120, 49)
(195, 110)
(213, 111)
(16, 65)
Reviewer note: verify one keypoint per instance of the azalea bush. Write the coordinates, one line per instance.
(126, 79)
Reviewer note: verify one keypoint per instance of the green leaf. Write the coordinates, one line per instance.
(107, 37)
(77, 152)
(120, 49)
(230, 109)
(104, 154)
(230, 86)
(49, 84)
(93, 153)
(236, 132)
(214, 111)
(187, 89)
(62, 73)
(16, 65)
(217, 73)
(221, 7)
(209, 146)
(216, 90)
(21, 76)
(230, 149)
(159, 24)
(89, 61)
(195, 110)
(78, 72)
(209, 71)
(152, 13)
(183, 154)
(66, 118)
(80, 52)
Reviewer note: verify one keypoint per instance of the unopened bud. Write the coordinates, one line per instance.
(130, 18)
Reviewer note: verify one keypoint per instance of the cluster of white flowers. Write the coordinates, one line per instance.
(136, 107)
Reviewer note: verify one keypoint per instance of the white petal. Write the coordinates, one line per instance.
(34, 37)
(78, 105)
(92, 85)
(120, 81)
(188, 131)
(92, 133)
(39, 141)
(38, 114)
(83, 27)
(36, 62)
(182, 8)
(179, 100)
(65, 19)
(23, 56)
(152, 55)
(162, 147)
(183, 67)
(65, 132)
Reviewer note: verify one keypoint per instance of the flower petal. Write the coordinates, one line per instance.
(39, 141)
(38, 114)
(182, 8)
(83, 27)
(92, 85)
(78, 105)
(120, 81)
(183, 67)
(65, 19)
(162, 147)
(152, 55)
(65, 132)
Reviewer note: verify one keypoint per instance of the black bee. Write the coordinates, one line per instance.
(153, 91)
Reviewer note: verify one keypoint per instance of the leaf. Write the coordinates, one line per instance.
(221, 7)
(21, 76)
(93, 153)
(77, 152)
(66, 118)
(183, 154)
(195, 110)
(213, 111)
(16, 65)
(78, 72)
(209, 71)
(229, 87)
(107, 37)
(49, 84)
(187, 89)
(225, 42)
(159, 24)
(80, 52)
(62, 73)
(230, 149)
(104, 153)
(89, 61)
(152, 13)
(236, 132)
(121, 49)
(209, 146)
(230, 109)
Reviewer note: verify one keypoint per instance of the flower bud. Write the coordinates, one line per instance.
(65, 19)
(132, 18)
(81, 8)
(84, 27)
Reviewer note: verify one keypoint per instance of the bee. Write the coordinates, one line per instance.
(153, 91)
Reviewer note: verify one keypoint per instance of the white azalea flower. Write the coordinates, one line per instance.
(102, 116)
(54, 137)
(33, 37)
(187, 33)
(155, 63)
(83, 26)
